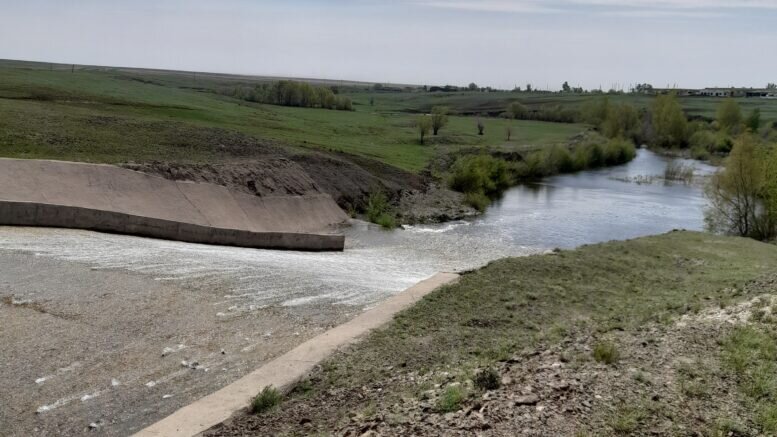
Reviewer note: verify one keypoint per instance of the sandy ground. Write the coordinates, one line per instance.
(108, 351)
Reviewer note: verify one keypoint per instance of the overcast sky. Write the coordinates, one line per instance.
(501, 43)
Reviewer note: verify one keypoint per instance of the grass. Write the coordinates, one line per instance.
(266, 400)
(451, 399)
(118, 116)
(512, 304)
(750, 352)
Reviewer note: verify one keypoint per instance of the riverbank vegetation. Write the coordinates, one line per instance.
(743, 195)
(632, 337)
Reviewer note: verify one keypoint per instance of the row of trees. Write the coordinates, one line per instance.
(291, 93)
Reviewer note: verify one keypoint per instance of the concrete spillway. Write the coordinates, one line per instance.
(112, 199)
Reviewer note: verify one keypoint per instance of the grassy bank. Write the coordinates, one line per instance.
(572, 343)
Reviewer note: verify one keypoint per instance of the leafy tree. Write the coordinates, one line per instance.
(528, 88)
(729, 116)
(740, 199)
(595, 111)
(473, 86)
(621, 121)
(423, 125)
(565, 87)
(517, 110)
(771, 86)
(754, 120)
(668, 121)
(439, 118)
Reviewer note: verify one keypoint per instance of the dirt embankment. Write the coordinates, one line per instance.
(349, 179)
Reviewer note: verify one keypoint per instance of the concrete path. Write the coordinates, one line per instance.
(288, 368)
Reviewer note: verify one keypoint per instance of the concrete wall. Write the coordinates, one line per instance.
(111, 199)
(41, 214)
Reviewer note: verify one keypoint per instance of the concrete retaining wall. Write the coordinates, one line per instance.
(111, 199)
(40, 214)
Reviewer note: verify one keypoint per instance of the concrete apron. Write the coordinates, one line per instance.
(289, 368)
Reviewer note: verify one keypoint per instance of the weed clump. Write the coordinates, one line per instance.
(451, 399)
(605, 352)
(266, 400)
(487, 379)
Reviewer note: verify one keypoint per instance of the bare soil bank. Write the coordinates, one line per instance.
(349, 179)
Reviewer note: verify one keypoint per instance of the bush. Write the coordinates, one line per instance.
(487, 379)
(268, 399)
(477, 200)
(479, 174)
(605, 352)
(451, 399)
(379, 211)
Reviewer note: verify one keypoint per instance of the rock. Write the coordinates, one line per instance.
(530, 399)
(93, 425)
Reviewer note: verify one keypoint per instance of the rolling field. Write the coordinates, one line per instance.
(114, 116)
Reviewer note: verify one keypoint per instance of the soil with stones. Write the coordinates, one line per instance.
(664, 379)
(349, 179)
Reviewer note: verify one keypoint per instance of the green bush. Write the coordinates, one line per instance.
(605, 352)
(487, 379)
(451, 399)
(379, 211)
(266, 400)
(477, 200)
(479, 174)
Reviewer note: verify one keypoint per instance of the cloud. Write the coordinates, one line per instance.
(627, 8)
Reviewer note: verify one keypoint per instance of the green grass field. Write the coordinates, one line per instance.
(117, 115)
(105, 116)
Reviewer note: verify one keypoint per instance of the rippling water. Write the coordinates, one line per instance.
(563, 211)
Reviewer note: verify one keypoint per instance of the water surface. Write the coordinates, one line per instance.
(563, 211)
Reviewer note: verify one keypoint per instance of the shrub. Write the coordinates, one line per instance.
(669, 125)
(266, 400)
(451, 399)
(378, 210)
(487, 379)
(606, 352)
(479, 174)
(477, 200)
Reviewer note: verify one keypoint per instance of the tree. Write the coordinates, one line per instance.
(729, 116)
(528, 88)
(508, 131)
(517, 110)
(740, 198)
(481, 127)
(595, 111)
(771, 86)
(621, 121)
(754, 120)
(668, 122)
(423, 125)
(565, 87)
(439, 118)
(473, 87)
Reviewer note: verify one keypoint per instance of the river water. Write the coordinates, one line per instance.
(563, 211)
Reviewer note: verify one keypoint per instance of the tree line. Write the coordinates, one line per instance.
(291, 93)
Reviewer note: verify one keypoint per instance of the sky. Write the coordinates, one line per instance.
(498, 43)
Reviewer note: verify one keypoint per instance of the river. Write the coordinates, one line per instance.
(562, 211)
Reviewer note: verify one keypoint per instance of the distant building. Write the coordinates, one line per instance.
(717, 92)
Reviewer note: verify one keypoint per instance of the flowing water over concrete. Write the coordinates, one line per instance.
(255, 304)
